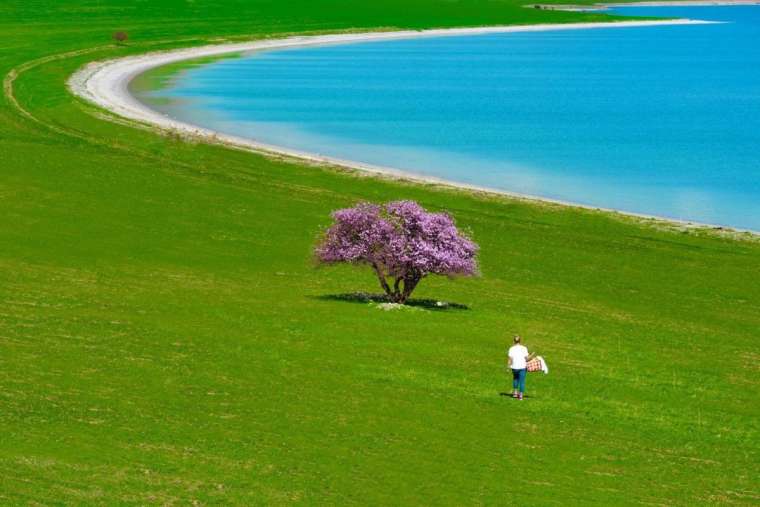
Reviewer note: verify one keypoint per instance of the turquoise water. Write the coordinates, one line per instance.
(656, 120)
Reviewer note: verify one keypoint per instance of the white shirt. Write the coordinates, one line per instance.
(518, 354)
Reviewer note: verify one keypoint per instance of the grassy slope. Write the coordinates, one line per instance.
(164, 337)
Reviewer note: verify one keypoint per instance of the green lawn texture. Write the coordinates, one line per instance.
(166, 339)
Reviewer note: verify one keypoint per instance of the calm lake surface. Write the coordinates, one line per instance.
(655, 120)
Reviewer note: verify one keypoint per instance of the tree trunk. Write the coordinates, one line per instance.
(383, 282)
(410, 282)
(396, 297)
(397, 294)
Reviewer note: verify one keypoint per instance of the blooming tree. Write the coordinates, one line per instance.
(401, 241)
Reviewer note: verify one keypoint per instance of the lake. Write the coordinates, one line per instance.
(661, 120)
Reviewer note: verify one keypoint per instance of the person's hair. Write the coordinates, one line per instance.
(517, 338)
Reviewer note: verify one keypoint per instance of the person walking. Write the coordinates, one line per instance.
(518, 358)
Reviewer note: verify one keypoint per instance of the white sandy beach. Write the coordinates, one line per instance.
(105, 84)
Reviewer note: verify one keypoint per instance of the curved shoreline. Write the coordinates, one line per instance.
(105, 84)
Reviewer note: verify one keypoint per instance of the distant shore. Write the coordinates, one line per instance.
(675, 3)
(682, 3)
(105, 84)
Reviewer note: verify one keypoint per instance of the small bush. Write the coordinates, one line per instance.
(120, 37)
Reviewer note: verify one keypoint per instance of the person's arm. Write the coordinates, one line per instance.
(509, 361)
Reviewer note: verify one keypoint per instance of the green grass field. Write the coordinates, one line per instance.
(165, 338)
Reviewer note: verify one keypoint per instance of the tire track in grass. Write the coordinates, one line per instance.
(16, 105)
(14, 73)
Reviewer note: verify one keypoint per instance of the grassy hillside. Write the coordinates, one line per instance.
(165, 339)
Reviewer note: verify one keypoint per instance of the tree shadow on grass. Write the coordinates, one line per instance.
(364, 298)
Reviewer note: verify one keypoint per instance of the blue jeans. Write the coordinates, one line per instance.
(518, 379)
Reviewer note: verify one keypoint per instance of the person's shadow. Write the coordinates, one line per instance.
(509, 395)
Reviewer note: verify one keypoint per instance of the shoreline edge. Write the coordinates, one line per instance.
(105, 84)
